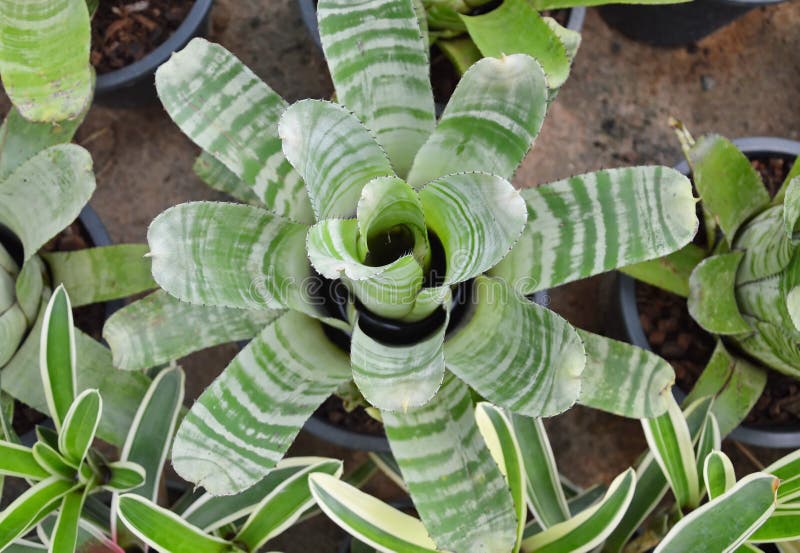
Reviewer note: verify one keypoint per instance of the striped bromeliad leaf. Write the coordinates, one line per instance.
(727, 521)
(44, 58)
(216, 175)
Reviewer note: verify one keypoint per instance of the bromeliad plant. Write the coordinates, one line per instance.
(377, 211)
(742, 285)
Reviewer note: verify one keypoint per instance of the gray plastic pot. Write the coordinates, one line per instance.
(678, 24)
(631, 328)
(134, 84)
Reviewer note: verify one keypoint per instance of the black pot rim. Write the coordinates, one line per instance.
(121, 78)
(787, 437)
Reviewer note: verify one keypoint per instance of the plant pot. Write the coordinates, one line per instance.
(629, 327)
(134, 84)
(678, 24)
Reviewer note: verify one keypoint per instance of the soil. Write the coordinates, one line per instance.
(675, 336)
(124, 31)
(356, 420)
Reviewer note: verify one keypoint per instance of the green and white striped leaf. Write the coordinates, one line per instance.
(767, 299)
(46, 194)
(245, 421)
(477, 217)
(57, 356)
(623, 379)
(17, 460)
(379, 65)
(767, 248)
(165, 531)
(229, 112)
(26, 509)
(498, 433)
(516, 353)
(783, 525)
(217, 175)
(718, 474)
(592, 223)
(65, 534)
(80, 425)
(773, 345)
(589, 529)
(160, 328)
(333, 153)
(106, 273)
(457, 488)
(791, 203)
(53, 462)
(670, 440)
(490, 121)
(544, 492)
(44, 57)
(727, 521)
(712, 299)
(368, 519)
(730, 188)
(283, 506)
(394, 377)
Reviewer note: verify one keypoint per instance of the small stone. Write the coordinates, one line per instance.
(707, 82)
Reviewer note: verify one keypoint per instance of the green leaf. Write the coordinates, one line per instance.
(57, 356)
(53, 462)
(791, 203)
(125, 475)
(24, 511)
(29, 287)
(46, 194)
(216, 175)
(710, 440)
(727, 521)
(587, 530)
(516, 353)
(712, 299)
(773, 345)
(592, 223)
(165, 531)
(333, 153)
(159, 328)
(490, 122)
(766, 299)
(498, 433)
(17, 460)
(65, 534)
(787, 468)
(379, 65)
(80, 425)
(515, 27)
(246, 420)
(544, 493)
(718, 474)
(229, 112)
(44, 58)
(477, 217)
(368, 519)
(670, 272)
(461, 52)
(782, 525)
(95, 275)
(396, 377)
(670, 440)
(731, 190)
(624, 379)
(439, 448)
(766, 246)
(283, 506)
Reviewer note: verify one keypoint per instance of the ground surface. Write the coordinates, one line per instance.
(743, 81)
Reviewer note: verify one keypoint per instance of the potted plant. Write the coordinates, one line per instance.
(761, 378)
(680, 24)
(67, 474)
(598, 518)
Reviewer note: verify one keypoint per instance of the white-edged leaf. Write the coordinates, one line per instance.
(718, 474)
(80, 425)
(18, 460)
(57, 356)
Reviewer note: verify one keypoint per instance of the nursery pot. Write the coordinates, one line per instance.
(134, 84)
(677, 24)
(633, 332)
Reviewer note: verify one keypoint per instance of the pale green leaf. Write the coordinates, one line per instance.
(24, 511)
(766, 247)
(718, 474)
(670, 272)
(57, 359)
(515, 353)
(712, 300)
(245, 421)
(490, 122)
(791, 203)
(216, 175)
(13, 325)
(80, 425)
(592, 223)
(773, 345)
(17, 460)
(29, 287)
(379, 65)
(229, 112)
(624, 379)
(766, 299)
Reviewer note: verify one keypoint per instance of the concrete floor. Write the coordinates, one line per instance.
(744, 80)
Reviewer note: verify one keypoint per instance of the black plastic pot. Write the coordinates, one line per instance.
(677, 24)
(632, 330)
(134, 84)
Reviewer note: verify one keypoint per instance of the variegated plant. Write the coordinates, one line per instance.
(44, 184)
(361, 194)
(743, 285)
(684, 451)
